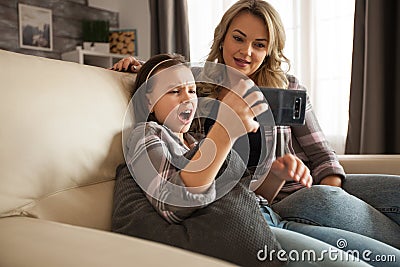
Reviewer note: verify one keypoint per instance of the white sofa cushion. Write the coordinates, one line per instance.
(61, 128)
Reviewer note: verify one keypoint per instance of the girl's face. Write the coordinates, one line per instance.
(245, 44)
(174, 99)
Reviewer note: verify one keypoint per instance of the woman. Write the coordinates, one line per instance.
(250, 38)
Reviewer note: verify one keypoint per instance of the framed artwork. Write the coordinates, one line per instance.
(35, 28)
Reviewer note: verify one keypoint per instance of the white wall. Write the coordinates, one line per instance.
(133, 14)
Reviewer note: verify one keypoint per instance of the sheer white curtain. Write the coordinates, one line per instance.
(319, 45)
(204, 16)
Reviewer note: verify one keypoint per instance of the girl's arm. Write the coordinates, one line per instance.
(235, 118)
(155, 157)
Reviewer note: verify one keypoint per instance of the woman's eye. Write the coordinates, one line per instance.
(259, 45)
(174, 91)
(237, 38)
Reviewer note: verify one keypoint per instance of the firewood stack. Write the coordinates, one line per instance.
(123, 42)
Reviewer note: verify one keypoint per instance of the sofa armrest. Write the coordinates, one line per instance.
(35, 242)
(378, 164)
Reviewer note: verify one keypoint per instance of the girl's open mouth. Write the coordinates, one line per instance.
(186, 113)
(185, 116)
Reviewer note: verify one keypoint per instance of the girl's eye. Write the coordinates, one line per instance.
(175, 91)
(192, 89)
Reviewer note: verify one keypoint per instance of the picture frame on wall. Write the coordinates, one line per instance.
(35, 27)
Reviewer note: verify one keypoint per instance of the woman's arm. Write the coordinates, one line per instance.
(321, 158)
(332, 180)
(128, 64)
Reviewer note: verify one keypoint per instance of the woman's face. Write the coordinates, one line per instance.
(174, 99)
(245, 44)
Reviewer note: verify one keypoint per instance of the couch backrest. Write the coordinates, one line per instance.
(60, 138)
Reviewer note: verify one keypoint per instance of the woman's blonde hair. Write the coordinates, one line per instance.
(270, 73)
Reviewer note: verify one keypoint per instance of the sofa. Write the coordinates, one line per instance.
(60, 144)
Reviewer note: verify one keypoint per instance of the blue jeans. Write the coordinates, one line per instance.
(332, 215)
(366, 249)
(380, 191)
(334, 207)
(296, 245)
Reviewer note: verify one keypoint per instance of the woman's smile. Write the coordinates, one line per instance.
(242, 63)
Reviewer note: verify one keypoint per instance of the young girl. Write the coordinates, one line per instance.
(157, 149)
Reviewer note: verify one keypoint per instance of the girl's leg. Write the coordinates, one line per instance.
(380, 191)
(333, 207)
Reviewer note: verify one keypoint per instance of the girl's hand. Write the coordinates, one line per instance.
(128, 64)
(236, 114)
(291, 168)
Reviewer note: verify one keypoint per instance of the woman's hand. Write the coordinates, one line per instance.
(128, 64)
(285, 168)
(236, 114)
(291, 168)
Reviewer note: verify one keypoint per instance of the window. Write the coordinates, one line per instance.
(204, 16)
(319, 45)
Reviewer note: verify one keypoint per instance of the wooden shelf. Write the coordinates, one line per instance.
(94, 58)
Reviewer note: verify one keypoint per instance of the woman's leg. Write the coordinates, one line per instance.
(380, 191)
(364, 248)
(333, 207)
(301, 250)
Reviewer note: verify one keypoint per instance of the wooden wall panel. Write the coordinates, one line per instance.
(8, 17)
(67, 24)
